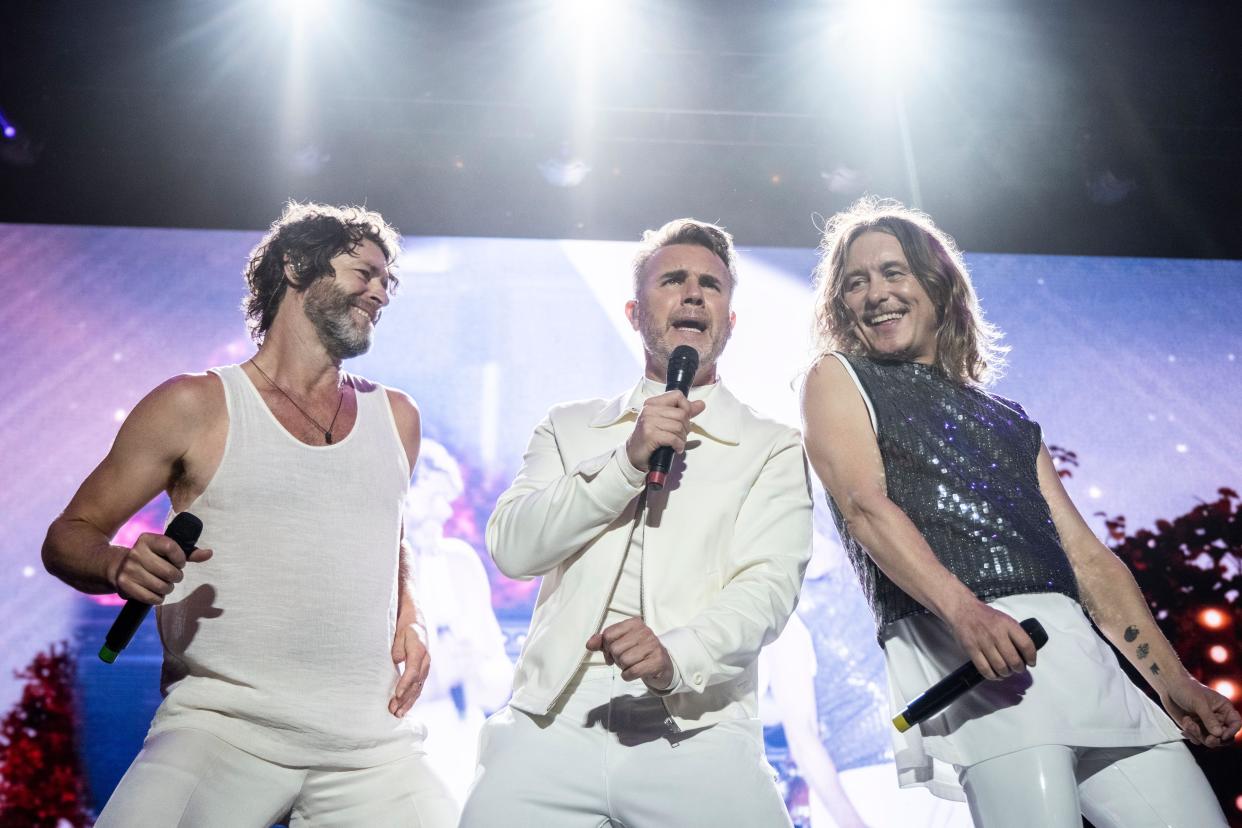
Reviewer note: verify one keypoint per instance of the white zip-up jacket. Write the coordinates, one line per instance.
(724, 546)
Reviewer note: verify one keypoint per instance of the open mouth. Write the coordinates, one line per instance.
(875, 320)
(696, 325)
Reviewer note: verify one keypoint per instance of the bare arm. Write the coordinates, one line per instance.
(791, 662)
(148, 454)
(409, 645)
(844, 453)
(1116, 605)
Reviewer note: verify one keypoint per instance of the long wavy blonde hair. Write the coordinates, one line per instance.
(968, 347)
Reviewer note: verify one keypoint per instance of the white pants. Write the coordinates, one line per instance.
(1053, 786)
(607, 755)
(191, 778)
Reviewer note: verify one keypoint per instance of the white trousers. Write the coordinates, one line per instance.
(607, 755)
(191, 778)
(1054, 786)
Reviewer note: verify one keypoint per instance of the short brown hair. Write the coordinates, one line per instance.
(686, 231)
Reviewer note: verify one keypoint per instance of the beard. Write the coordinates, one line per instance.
(330, 311)
(655, 339)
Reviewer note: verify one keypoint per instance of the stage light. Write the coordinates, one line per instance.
(564, 170)
(302, 11)
(10, 131)
(1226, 688)
(1218, 653)
(1213, 618)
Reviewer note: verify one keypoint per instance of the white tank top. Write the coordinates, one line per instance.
(280, 643)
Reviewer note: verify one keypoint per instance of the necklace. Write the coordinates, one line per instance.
(327, 432)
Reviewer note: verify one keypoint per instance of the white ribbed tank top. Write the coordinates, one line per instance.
(280, 643)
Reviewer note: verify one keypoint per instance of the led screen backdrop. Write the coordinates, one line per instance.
(1130, 363)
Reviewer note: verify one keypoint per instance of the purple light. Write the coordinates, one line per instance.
(9, 131)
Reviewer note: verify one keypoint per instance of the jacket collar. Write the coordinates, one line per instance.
(721, 420)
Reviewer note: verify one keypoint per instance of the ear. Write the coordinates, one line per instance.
(732, 321)
(631, 313)
(290, 273)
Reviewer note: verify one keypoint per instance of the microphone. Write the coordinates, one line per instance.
(683, 364)
(944, 692)
(184, 529)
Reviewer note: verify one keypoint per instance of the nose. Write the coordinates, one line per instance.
(377, 291)
(691, 292)
(877, 290)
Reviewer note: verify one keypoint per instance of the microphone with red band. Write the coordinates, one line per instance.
(184, 529)
(683, 364)
(944, 692)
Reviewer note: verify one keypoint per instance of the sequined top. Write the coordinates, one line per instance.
(851, 688)
(960, 462)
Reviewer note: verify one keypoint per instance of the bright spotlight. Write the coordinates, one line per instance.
(302, 11)
(1226, 688)
(1218, 653)
(1212, 618)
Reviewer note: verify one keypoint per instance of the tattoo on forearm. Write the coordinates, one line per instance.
(1155, 669)
(1131, 633)
(1143, 650)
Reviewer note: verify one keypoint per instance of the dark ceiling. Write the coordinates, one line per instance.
(1111, 127)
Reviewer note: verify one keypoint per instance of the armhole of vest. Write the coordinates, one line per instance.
(392, 425)
(228, 387)
(875, 429)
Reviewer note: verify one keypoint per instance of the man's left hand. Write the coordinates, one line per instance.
(409, 647)
(633, 647)
(1205, 716)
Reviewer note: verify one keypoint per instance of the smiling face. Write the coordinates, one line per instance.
(892, 313)
(683, 298)
(345, 307)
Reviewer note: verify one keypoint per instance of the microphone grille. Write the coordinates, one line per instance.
(684, 359)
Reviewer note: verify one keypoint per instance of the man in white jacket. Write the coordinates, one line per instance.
(634, 698)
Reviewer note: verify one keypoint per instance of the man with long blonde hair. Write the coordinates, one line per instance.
(957, 523)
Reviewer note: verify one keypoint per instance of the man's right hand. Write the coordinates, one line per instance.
(995, 642)
(151, 569)
(664, 421)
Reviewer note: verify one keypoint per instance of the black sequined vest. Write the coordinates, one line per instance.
(961, 464)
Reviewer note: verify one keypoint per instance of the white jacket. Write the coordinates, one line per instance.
(724, 547)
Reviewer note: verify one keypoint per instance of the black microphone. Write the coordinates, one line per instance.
(184, 529)
(683, 364)
(944, 692)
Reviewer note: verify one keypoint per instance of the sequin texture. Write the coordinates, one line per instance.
(960, 462)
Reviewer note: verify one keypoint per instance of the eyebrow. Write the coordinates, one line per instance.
(862, 271)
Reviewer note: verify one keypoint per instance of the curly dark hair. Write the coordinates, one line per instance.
(307, 237)
(686, 231)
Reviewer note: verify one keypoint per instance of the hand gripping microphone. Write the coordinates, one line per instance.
(683, 364)
(184, 529)
(944, 692)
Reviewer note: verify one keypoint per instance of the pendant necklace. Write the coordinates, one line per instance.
(327, 432)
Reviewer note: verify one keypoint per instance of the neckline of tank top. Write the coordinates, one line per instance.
(335, 444)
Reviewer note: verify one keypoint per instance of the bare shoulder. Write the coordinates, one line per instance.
(828, 383)
(184, 403)
(406, 415)
(404, 410)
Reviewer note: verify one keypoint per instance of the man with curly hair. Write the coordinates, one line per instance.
(286, 633)
(957, 524)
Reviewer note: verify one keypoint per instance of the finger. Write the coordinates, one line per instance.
(643, 669)
(131, 591)
(1190, 729)
(152, 582)
(200, 555)
(697, 407)
(595, 643)
(398, 649)
(983, 665)
(1025, 645)
(166, 548)
(1014, 661)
